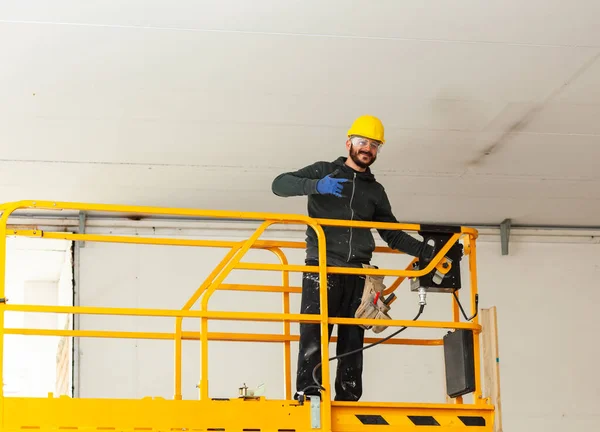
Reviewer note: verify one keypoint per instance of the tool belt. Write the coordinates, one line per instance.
(373, 305)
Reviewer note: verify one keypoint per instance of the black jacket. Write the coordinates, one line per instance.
(364, 200)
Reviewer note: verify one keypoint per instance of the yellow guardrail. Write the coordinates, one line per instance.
(215, 280)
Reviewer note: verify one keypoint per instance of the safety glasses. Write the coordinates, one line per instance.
(362, 142)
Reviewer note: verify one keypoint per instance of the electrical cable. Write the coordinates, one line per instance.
(461, 308)
(318, 385)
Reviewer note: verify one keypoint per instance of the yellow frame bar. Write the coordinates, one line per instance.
(187, 335)
(234, 316)
(157, 414)
(215, 281)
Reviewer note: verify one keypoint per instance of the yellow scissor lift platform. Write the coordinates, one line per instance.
(239, 413)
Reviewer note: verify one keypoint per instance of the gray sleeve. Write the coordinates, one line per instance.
(300, 182)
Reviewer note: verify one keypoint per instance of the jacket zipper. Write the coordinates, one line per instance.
(351, 218)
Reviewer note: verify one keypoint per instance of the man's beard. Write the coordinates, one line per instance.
(354, 155)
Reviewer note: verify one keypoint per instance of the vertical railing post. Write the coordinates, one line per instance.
(287, 355)
(477, 396)
(188, 306)
(455, 318)
(323, 303)
(3, 223)
(210, 290)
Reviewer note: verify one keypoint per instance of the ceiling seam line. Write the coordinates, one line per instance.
(314, 35)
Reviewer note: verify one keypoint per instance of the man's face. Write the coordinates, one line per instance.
(363, 151)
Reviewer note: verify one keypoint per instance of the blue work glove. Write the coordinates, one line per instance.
(331, 186)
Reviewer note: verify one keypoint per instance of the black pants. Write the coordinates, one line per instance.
(344, 296)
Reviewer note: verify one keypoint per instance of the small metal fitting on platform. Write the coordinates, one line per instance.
(422, 296)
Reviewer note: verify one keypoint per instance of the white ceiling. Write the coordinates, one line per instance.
(491, 107)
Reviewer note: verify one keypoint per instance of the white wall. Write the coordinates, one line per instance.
(64, 348)
(545, 293)
(39, 272)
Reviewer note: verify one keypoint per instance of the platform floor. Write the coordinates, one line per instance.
(250, 415)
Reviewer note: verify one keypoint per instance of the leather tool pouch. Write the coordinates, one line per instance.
(369, 307)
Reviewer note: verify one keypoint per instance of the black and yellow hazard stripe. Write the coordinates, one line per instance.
(450, 417)
(421, 420)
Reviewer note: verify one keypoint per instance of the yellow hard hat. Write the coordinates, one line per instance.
(369, 127)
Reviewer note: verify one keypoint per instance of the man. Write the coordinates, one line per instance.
(342, 189)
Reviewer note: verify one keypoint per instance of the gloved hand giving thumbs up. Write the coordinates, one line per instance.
(331, 186)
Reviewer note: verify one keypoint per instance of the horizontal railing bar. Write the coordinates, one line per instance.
(330, 270)
(259, 288)
(406, 323)
(165, 241)
(233, 316)
(215, 214)
(294, 338)
(382, 225)
(111, 334)
(127, 209)
(195, 336)
(216, 315)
